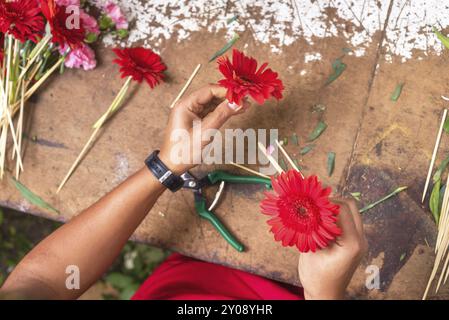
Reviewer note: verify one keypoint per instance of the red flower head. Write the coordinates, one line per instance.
(243, 78)
(301, 212)
(22, 19)
(65, 27)
(2, 49)
(140, 63)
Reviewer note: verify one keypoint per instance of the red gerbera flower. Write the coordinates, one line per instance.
(59, 21)
(243, 78)
(22, 19)
(301, 212)
(140, 64)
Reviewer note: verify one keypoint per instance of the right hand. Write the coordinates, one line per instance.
(325, 274)
(207, 105)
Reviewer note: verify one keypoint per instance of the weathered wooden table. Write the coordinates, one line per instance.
(379, 145)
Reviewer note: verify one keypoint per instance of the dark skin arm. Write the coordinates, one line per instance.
(93, 239)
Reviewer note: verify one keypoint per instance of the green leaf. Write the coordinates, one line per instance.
(397, 92)
(443, 165)
(356, 195)
(372, 205)
(338, 66)
(2, 216)
(226, 47)
(91, 37)
(122, 33)
(434, 201)
(402, 257)
(444, 40)
(330, 163)
(285, 141)
(119, 281)
(105, 23)
(32, 197)
(306, 149)
(319, 129)
(295, 139)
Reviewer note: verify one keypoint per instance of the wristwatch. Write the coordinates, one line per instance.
(162, 173)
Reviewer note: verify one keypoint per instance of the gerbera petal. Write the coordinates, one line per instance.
(301, 212)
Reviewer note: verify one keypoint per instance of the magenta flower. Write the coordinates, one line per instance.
(89, 23)
(81, 57)
(113, 11)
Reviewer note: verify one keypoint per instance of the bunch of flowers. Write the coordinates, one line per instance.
(37, 38)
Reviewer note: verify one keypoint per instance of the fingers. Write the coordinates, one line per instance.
(202, 96)
(224, 111)
(350, 222)
(356, 215)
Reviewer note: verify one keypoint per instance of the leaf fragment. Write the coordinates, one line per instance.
(443, 165)
(356, 195)
(226, 47)
(295, 139)
(446, 126)
(306, 149)
(434, 201)
(330, 163)
(319, 129)
(338, 67)
(232, 19)
(32, 197)
(444, 40)
(397, 92)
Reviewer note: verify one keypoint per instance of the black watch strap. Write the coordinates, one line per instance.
(162, 173)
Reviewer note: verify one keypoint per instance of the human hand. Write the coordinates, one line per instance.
(207, 106)
(326, 273)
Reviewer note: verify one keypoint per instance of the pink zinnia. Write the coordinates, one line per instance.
(89, 23)
(113, 11)
(81, 57)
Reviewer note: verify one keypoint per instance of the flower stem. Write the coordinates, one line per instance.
(372, 205)
(116, 103)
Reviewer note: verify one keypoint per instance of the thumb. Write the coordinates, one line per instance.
(221, 114)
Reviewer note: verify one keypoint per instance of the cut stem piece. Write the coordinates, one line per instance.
(86, 147)
(189, 81)
(434, 155)
(249, 170)
(292, 163)
(116, 103)
(270, 158)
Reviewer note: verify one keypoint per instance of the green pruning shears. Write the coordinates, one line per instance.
(214, 177)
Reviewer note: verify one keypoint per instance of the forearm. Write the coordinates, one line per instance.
(91, 241)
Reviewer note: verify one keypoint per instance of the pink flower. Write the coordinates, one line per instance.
(67, 3)
(113, 11)
(81, 57)
(89, 23)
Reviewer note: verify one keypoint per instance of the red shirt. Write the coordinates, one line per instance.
(183, 278)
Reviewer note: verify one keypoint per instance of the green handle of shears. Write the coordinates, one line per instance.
(217, 176)
(200, 206)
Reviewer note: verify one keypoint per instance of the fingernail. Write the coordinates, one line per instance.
(234, 106)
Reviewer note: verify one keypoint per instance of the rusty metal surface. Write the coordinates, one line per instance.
(379, 145)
